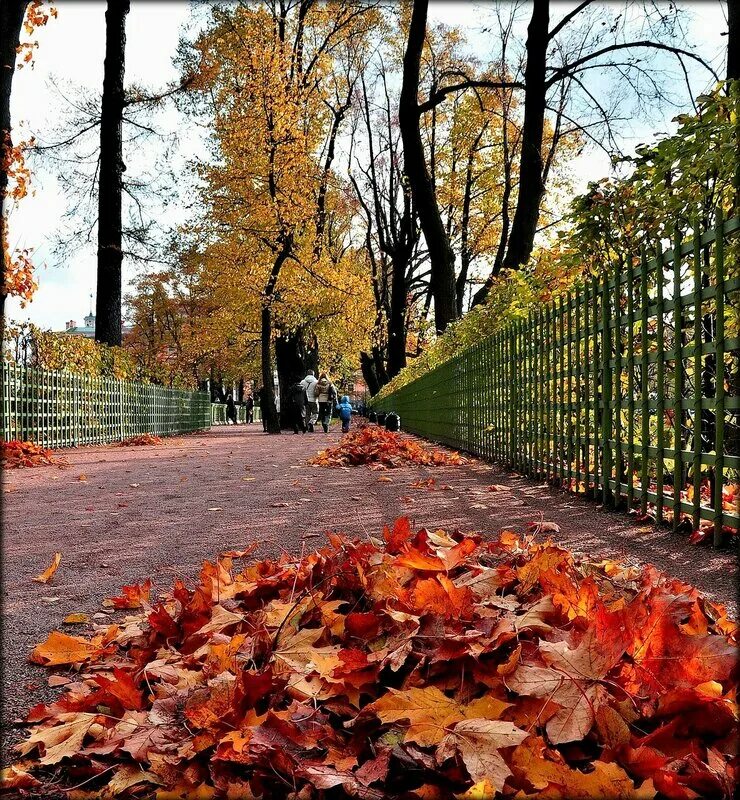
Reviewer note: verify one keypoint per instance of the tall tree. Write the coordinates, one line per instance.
(110, 187)
(733, 40)
(11, 19)
(275, 206)
(441, 255)
(557, 61)
(531, 178)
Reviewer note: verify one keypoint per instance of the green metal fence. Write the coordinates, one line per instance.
(65, 409)
(597, 391)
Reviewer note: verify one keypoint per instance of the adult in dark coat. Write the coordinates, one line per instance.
(297, 400)
(230, 409)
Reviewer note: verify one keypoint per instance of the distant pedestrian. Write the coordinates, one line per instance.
(326, 394)
(345, 413)
(230, 409)
(297, 406)
(261, 396)
(249, 403)
(312, 405)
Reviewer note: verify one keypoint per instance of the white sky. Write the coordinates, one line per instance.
(70, 53)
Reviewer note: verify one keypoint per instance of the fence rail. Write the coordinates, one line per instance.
(65, 409)
(627, 387)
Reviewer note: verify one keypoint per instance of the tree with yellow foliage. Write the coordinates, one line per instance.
(277, 81)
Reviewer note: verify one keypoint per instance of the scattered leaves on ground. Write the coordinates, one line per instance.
(426, 665)
(379, 448)
(46, 575)
(16, 454)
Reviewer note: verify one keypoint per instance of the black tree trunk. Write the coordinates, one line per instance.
(294, 356)
(110, 187)
(11, 19)
(397, 318)
(733, 40)
(531, 179)
(441, 256)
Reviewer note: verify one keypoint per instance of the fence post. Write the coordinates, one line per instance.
(660, 395)
(719, 380)
(121, 429)
(696, 511)
(678, 480)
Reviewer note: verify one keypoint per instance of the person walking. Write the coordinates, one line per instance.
(345, 413)
(297, 407)
(249, 403)
(230, 409)
(326, 394)
(312, 405)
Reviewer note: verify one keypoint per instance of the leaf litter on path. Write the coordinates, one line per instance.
(427, 664)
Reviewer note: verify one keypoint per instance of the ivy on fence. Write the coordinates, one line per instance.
(627, 387)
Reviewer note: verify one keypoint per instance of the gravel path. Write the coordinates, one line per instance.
(159, 511)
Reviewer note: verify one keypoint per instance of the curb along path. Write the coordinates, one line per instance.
(121, 514)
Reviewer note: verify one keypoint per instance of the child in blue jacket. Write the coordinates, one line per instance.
(345, 413)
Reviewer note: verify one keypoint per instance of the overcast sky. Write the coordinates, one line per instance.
(70, 53)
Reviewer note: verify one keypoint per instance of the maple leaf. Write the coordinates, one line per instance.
(17, 777)
(298, 652)
(59, 741)
(60, 648)
(221, 618)
(400, 534)
(180, 706)
(428, 711)
(604, 781)
(45, 576)
(478, 742)
(133, 596)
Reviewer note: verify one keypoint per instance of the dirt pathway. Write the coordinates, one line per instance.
(159, 511)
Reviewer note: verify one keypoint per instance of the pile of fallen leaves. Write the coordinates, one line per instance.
(143, 439)
(16, 454)
(425, 666)
(373, 445)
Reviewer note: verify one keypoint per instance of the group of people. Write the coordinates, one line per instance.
(313, 400)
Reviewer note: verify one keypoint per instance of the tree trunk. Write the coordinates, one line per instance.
(270, 417)
(531, 180)
(294, 356)
(11, 19)
(110, 188)
(462, 277)
(373, 370)
(441, 256)
(397, 318)
(733, 40)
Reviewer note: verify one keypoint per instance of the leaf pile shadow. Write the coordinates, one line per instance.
(380, 449)
(16, 454)
(427, 665)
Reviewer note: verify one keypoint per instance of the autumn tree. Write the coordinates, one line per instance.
(277, 83)
(559, 61)
(555, 78)
(391, 229)
(17, 278)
